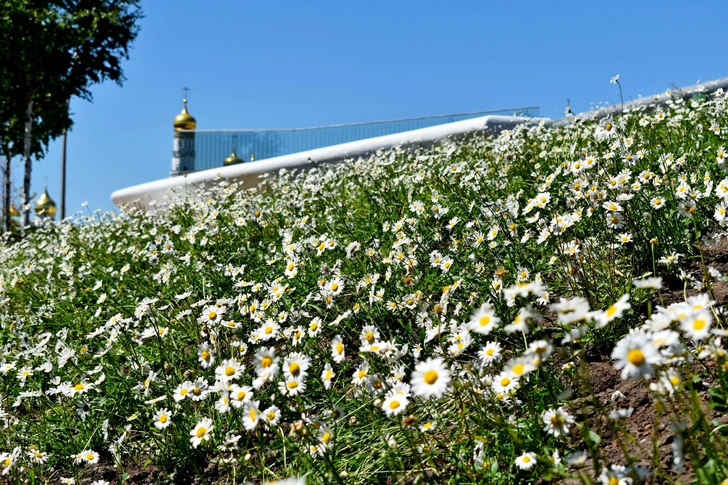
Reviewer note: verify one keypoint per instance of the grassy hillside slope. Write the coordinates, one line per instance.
(545, 305)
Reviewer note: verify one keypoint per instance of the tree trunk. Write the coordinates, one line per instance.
(28, 165)
(6, 189)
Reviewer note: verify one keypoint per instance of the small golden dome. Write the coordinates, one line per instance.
(13, 211)
(184, 120)
(232, 159)
(45, 207)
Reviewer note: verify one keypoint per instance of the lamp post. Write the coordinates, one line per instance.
(63, 168)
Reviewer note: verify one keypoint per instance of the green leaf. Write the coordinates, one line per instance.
(716, 392)
(595, 437)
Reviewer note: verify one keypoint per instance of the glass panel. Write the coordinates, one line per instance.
(213, 147)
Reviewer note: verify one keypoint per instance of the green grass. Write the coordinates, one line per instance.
(109, 315)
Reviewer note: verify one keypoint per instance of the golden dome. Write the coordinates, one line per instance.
(232, 159)
(13, 211)
(184, 120)
(45, 207)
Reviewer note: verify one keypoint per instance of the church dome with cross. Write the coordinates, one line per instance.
(183, 154)
(184, 120)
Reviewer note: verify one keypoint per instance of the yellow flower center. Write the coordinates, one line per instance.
(79, 387)
(201, 431)
(484, 320)
(339, 348)
(369, 337)
(196, 391)
(674, 380)
(229, 371)
(183, 391)
(205, 355)
(394, 405)
(431, 377)
(163, 418)
(699, 324)
(505, 381)
(334, 286)
(292, 385)
(636, 357)
(268, 330)
(518, 369)
(212, 315)
(326, 438)
(611, 310)
(266, 362)
(490, 352)
(294, 368)
(271, 415)
(253, 414)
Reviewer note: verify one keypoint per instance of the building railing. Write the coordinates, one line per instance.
(212, 147)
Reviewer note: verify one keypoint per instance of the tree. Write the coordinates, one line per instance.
(51, 51)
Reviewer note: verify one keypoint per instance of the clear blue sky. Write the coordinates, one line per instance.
(293, 64)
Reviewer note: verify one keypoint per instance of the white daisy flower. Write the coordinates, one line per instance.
(272, 415)
(490, 353)
(654, 282)
(296, 365)
(635, 354)
(327, 375)
(90, 457)
(337, 349)
(557, 421)
(251, 415)
(162, 418)
(430, 378)
(613, 312)
(229, 370)
(394, 404)
(206, 355)
(239, 395)
(697, 326)
(201, 432)
(526, 461)
(484, 320)
(504, 383)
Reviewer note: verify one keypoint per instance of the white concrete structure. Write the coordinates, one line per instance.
(660, 99)
(183, 153)
(249, 173)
